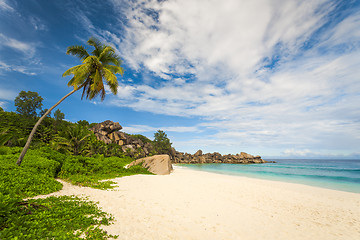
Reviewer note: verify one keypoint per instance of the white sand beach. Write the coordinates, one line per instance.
(197, 205)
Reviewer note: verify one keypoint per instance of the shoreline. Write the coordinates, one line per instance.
(189, 204)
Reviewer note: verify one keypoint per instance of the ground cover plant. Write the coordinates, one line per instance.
(65, 217)
(89, 171)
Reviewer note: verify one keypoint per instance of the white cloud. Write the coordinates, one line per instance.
(26, 48)
(4, 6)
(188, 35)
(21, 69)
(145, 128)
(3, 104)
(7, 94)
(308, 99)
(37, 24)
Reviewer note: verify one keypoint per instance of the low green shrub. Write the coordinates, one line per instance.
(88, 171)
(35, 176)
(64, 217)
(4, 150)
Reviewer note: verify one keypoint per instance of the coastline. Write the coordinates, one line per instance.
(190, 204)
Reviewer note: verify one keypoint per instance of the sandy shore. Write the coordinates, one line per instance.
(196, 205)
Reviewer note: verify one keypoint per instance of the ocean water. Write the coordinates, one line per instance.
(335, 174)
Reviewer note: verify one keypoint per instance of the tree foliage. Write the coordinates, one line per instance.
(42, 112)
(161, 142)
(27, 103)
(58, 115)
(83, 123)
(74, 139)
(95, 70)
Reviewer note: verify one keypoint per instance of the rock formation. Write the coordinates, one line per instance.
(199, 157)
(109, 132)
(158, 164)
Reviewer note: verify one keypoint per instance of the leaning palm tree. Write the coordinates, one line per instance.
(101, 66)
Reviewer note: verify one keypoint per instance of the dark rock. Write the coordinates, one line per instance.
(199, 157)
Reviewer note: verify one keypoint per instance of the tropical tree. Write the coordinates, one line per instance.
(100, 66)
(27, 103)
(74, 139)
(83, 123)
(161, 142)
(42, 112)
(4, 137)
(58, 115)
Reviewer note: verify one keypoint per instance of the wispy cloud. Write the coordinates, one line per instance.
(5, 7)
(14, 68)
(37, 23)
(147, 129)
(7, 94)
(27, 49)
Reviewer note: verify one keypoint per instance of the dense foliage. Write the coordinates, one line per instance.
(64, 217)
(162, 143)
(58, 115)
(27, 103)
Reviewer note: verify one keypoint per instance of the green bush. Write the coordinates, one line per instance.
(65, 217)
(88, 171)
(141, 137)
(4, 150)
(35, 176)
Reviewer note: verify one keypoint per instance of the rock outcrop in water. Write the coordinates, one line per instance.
(199, 157)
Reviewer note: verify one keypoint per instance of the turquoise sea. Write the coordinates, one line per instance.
(335, 174)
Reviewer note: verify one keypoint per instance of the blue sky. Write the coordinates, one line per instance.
(268, 77)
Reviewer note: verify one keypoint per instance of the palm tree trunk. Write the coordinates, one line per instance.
(27, 145)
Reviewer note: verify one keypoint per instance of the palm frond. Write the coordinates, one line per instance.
(105, 53)
(70, 71)
(112, 58)
(111, 80)
(109, 76)
(99, 47)
(78, 51)
(114, 69)
(97, 81)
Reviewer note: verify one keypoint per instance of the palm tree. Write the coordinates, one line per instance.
(102, 64)
(74, 139)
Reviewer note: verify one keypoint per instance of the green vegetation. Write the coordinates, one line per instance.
(102, 66)
(59, 218)
(162, 143)
(27, 103)
(58, 115)
(64, 217)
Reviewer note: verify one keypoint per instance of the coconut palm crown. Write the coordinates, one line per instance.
(95, 69)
